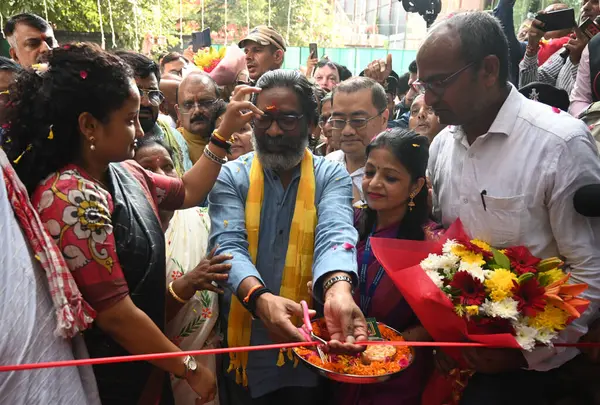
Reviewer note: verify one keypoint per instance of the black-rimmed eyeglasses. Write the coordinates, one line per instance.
(438, 86)
(287, 122)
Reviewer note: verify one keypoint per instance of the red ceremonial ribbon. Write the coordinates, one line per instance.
(279, 346)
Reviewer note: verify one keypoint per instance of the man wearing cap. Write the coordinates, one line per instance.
(265, 50)
(546, 94)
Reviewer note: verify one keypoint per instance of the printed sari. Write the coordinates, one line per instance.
(114, 246)
(193, 328)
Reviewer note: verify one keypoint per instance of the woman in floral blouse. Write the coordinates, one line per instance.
(186, 233)
(74, 122)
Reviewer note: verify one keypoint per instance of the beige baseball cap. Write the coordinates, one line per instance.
(264, 35)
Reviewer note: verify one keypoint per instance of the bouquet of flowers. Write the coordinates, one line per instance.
(466, 290)
(223, 65)
(208, 58)
(510, 289)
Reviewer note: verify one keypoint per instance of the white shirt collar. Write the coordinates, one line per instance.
(504, 122)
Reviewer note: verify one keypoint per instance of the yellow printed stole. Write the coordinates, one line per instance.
(298, 260)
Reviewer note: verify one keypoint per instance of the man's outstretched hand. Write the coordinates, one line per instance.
(344, 319)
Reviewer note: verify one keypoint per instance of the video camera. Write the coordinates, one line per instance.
(428, 9)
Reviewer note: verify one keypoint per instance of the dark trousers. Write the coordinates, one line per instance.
(514, 388)
(231, 393)
(572, 384)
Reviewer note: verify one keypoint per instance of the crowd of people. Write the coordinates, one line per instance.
(151, 207)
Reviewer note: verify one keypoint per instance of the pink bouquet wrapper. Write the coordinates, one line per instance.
(226, 72)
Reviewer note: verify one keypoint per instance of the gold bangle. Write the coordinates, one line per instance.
(175, 296)
(219, 136)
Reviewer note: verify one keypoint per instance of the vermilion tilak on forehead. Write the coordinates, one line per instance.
(271, 108)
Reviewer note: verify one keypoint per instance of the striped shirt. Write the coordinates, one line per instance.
(556, 71)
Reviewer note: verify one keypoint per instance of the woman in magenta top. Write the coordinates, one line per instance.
(396, 192)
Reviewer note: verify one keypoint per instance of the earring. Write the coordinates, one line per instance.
(411, 203)
(92, 146)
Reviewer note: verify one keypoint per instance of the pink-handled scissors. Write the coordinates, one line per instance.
(306, 331)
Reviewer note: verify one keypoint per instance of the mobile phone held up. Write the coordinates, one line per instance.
(201, 40)
(557, 20)
(314, 51)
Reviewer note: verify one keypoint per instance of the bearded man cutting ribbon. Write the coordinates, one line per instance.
(286, 218)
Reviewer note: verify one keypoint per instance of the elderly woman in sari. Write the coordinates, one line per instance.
(74, 124)
(186, 234)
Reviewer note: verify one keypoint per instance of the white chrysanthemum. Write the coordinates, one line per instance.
(436, 278)
(546, 336)
(525, 336)
(449, 264)
(473, 269)
(505, 309)
(450, 243)
(446, 263)
(432, 262)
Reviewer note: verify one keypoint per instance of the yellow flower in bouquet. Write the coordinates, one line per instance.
(472, 310)
(551, 317)
(459, 250)
(552, 276)
(500, 284)
(208, 59)
(483, 245)
(472, 258)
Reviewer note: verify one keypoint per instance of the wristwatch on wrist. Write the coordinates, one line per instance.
(190, 366)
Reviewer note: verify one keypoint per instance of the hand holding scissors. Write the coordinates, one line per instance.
(307, 332)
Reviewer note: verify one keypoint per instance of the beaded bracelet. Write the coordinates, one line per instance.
(329, 283)
(208, 153)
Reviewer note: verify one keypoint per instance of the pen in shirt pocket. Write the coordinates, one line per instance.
(483, 194)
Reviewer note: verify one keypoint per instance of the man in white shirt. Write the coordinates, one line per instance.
(359, 113)
(508, 167)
